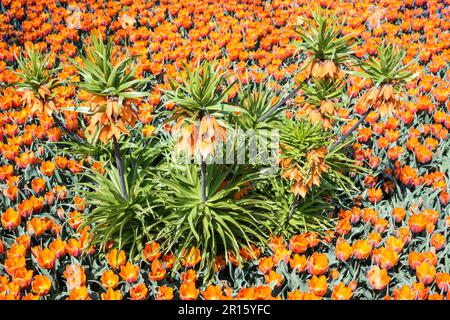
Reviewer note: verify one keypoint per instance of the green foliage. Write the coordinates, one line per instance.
(222, 224)
(323, 40)
(127, 222)
(106, 73)
(115, 219)
(310, 213)
(255, 104)
(235, 205)
(388, 68)
(322, 90)
(201, 91)
(300, 136)
(35, 71)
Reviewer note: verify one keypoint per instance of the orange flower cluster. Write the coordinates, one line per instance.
(305, 179)
(109, 118)
(199, 138)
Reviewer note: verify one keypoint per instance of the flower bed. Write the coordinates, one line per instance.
(389, 241)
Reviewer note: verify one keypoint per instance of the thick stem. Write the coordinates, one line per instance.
(119, 164)
(355, 126)
(203, 180)
(281, 103)
(293, 206)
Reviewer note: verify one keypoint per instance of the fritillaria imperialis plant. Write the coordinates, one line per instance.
(38, 82)
(388, 75)
(327, 48)
(110, 88)
(202, 207)
(321, 100)
(126, 222)
(218, 226)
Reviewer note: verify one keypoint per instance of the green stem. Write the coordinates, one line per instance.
(355, 126)
(292, 209)
(281, 103)
(203, 180)
(119, 164)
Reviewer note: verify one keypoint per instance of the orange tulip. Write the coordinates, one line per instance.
(129, 272)
(192, 258)
(37, 226)
(395, 244)
(318, 285)
(295, 295)
(157, 272)
(73, 247)
(58, 246)
(164, 293)
(281, 254)
(139, 292)
(374, 195)
(75, 276)
(188, 291)
(111, 294)
(404, 293)
(317, 264)
(38, 185)
(152, 251)
(46, 258)
(426, 273)
(298, 263)
(343, 250)
(438, 241)
(378, 278)
(41, 285)
(30, 296)
(361, 249)
(79, 293)
(116, 258)
(22, 277)
(385, 257)
(168, 260)
(109, 279)
(443, 281)
(10, 219)
(298, 244)
(249, 253)
(398, 214)
(341, 292)
(213, 292)
(265, 265)
(417, 223)
(274, 277)
(436, 296)
(48, 168)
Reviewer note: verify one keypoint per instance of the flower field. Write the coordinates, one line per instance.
(96, 96)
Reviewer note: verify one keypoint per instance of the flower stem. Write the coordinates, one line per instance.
(203, 180)
(293, 206)
(281, 103)
(119, 164)
(355, 126)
